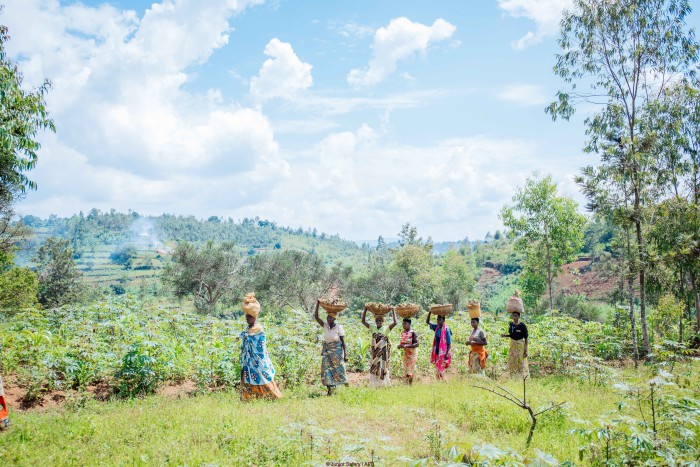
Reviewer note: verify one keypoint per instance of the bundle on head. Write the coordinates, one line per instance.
(515, 303)
(333, 306)
(407, 310)
(474, 308)
(251, 306)
(441, 310)
(378, 309)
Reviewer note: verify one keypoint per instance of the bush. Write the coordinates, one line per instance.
(140, 373)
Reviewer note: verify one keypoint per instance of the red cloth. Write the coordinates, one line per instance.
(440, 357)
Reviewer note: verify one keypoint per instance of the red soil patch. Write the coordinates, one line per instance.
(488, 276)
(583, 277)
(17, 397)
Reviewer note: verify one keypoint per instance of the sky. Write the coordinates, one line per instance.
(350, 117)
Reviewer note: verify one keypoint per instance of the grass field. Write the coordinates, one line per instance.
(388, 426)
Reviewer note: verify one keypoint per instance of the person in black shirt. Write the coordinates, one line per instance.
(517, 332)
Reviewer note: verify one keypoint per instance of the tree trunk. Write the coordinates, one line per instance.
(633, 321)
(630, 280)
(642, 286)
(696, 296)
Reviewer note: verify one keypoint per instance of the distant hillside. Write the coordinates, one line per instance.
(98, 235)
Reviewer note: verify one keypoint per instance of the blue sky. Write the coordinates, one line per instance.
(352, 117)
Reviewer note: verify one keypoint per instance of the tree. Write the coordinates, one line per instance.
(294, 278)
(59, 277)
(22, 115)
(548, 228)
(677, 231)
(18, 289)
(457, 278)
(626, 53)
(207, 274)
(124, 256)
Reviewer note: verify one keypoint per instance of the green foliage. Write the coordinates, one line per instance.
(457, 279)
(656, 425)
(141, 370)
(18, 290)
(59, 278)
(124, 256)
(549, 232)
(293, 278)
(208, 274)
(22, 115)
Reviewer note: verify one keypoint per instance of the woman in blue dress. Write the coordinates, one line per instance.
(257, 372)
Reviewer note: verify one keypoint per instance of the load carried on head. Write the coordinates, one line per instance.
(251, 306)
(515, 304)
(441, 310)
(474, 308)
(407, 310)
(378, 309)
(333, 306)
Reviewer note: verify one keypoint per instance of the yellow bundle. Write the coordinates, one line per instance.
(251, 306)
(474, 308)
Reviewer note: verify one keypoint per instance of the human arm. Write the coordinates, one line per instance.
(364, 318)
(316, 317)
(345, 352)
(392, 325)
(427, 320)
(526, 339)
(414, 342)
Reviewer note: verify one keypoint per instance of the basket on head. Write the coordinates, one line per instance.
(441, 310)
(515, 304)
(333, 307)
(407, 310)
(474, 308)
(378, 309)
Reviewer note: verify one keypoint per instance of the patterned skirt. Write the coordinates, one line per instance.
(332, 365)
(517, 362)
(259, 391)
(410, 357)
(477, 359)
(379, 364)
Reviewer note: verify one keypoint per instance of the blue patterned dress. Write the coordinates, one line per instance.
(257, 372)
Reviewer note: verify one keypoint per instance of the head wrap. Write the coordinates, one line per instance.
(251, 306)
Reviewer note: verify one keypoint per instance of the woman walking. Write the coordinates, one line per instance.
(441, 354)
(409, 344)
(478, 353)
(380, 349)
(257, 372)
(334, 354)
(517, 331)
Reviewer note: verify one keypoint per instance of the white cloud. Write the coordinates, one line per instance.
(545, 13)
(352, 29)
(126, 126)
(282, 75)
(398, 41)
(361, 183)
(523, 94)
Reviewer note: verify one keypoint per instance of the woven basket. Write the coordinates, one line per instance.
(333, 309)
(441, 310)
(515, 304)
(378, 309)
(408, 311)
